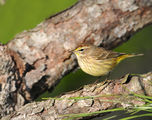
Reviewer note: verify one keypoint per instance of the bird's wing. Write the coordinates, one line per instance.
(114, 55)
(106, 54)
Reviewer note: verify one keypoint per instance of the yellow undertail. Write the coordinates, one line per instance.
(122, 57)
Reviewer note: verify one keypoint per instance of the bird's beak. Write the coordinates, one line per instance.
(75, 52)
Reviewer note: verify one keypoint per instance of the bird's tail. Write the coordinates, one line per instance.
(124, 56)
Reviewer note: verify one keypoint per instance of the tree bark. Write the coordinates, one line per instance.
(91, 98)
(37, 59)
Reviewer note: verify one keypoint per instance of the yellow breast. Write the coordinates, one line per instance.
(96, 67)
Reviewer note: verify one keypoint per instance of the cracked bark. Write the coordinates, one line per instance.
(94, 97)
(37, 59)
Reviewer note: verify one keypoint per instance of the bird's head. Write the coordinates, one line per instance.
(82, 51)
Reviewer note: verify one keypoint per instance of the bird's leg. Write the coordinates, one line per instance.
(97, 80)
(105, 81)
(107, 77)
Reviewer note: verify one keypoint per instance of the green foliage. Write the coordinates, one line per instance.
(140, 42)
(131, 110)
(73, 116)
(19, 15)
(137, 116)
(85, 97)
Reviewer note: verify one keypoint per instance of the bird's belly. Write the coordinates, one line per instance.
(96, 70)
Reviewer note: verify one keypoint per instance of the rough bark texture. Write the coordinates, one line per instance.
(95, 97)
(9, 82)
(39, 58)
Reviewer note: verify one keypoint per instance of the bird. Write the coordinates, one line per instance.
(97, 61)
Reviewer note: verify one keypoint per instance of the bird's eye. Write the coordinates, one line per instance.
(81, 49)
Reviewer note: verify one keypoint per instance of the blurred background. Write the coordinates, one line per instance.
(19, 15)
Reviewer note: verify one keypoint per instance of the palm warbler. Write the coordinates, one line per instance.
(97, 61)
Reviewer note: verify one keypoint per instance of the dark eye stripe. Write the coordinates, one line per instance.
(81, 49)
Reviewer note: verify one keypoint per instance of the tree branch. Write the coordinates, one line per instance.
(40, 57)
(91, 98)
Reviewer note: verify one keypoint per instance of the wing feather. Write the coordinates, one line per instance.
(102, 54)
